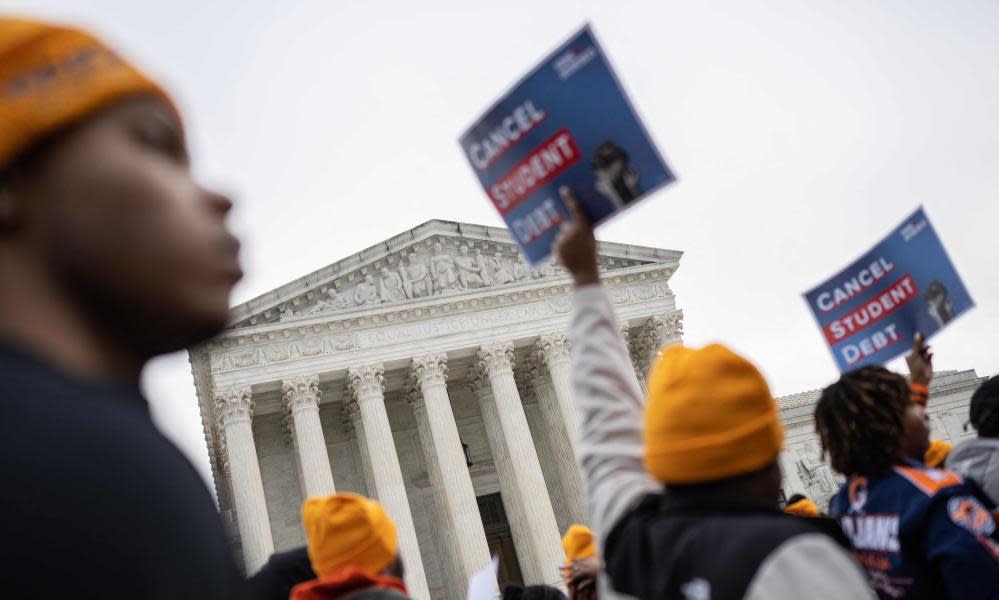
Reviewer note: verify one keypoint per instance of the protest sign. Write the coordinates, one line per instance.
(870, 311)
(566, 123)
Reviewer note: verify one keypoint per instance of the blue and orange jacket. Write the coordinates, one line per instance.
(921, 533)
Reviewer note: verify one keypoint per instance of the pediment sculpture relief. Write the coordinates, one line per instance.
(433, 269)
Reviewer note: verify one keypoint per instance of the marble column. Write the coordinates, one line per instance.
(367, 384)
(352, 421)
(234, 411)
(553, 350)
(568, 483)
(544, 539)
(429, 373)
(444, 531)
(301, 395)
(513, 503)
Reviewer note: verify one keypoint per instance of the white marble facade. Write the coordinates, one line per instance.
(388, 372)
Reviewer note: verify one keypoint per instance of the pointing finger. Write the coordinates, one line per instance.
(572, 204)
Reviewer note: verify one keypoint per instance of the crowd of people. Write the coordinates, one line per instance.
(111, 253)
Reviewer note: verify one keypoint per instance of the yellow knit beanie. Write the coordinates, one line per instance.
(53, 76)
(709, 416)
(937, 453)
(348, 530)
(579, 542)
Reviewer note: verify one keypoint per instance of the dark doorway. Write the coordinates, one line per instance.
(500, 539)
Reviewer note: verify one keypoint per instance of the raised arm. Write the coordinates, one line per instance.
(605, 388)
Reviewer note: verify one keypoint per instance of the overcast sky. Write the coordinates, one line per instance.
(801, 133)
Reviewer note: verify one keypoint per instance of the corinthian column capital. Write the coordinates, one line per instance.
(665, 328)
(233, 404)
(366, 380)
(553, 347)
(495, 358)
(301, 393)
(429, 369)
(413, 394)
(477, 379)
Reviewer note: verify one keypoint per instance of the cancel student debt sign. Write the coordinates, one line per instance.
(568, 122)
(870, 311)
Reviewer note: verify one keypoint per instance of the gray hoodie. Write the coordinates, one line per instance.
(978, 460)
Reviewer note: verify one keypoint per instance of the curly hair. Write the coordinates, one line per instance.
(860, 421)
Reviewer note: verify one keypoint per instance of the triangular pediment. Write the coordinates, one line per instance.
(435, 259)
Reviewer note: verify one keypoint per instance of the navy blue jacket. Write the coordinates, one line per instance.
(96, 502)
(921, 533)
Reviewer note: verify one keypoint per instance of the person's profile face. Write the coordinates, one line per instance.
(120, 217)
(916, 431)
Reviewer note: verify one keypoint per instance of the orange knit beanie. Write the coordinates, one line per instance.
(348, 530)
(709, 416)
(53, 76)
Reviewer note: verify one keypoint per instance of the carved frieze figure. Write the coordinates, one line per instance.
(416, 279)
(332, 301)
(469, 273)
(390, 287)
(546, 271)
(501, 271)
(814, 472)
(287, 313)
(521, 270)
(480, 260)
(366, 292)
(442, 267)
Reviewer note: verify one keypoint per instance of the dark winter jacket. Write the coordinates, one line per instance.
(673, 546)
(921, 533)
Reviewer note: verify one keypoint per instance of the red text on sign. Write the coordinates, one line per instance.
(869, 313)
(546, 162)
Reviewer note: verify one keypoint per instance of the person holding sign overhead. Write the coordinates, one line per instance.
(682, 490)
(919, 532)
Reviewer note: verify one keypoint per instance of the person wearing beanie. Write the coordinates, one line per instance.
(682, 490)
(919, 532)
(111, 254)
(353, 549)
(581, 571)
(801, 506)
(978, 459)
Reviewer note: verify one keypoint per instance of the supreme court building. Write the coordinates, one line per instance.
(432, 372)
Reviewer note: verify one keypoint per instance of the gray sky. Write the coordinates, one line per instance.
(801, 132)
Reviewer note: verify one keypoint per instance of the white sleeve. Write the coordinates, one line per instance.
(809, 566)
(612, 406)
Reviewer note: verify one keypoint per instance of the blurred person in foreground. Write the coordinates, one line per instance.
(354, 551)
(683, 492)
(919, 532)
(978, 459)
(110, 254)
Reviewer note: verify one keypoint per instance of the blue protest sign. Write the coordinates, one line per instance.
(567, 122)
(870, 311)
